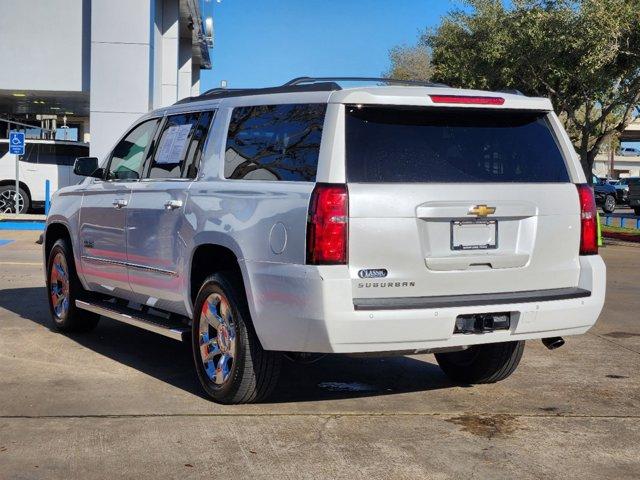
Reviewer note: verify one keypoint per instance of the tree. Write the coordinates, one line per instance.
(582, 54)
(410, 63)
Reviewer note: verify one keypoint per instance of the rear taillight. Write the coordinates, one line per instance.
(328, 225)
(588, 221)
(467, 99)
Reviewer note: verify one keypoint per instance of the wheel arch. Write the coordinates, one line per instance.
(54, 232)
(209, 258)
(23, 185)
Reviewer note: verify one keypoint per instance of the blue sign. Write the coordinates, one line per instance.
(16, 143)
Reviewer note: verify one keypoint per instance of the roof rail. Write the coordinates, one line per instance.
(512, 91)
(397, 81)
(219, 90)
(216, 93)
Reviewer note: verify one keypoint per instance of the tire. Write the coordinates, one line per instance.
(487, 363)
(63, 288)
(7, 202)
(230, 363)
(609, 205)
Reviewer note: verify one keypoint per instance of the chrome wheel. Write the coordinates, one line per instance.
(59, 286)
(8, 201)
(217, 338)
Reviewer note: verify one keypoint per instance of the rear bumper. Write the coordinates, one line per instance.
(311, 309)
(475, 300)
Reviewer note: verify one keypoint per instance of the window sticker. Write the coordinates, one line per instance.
(173, 144)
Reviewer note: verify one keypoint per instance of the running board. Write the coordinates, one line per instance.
(129, 316)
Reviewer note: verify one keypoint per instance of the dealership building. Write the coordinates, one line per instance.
(86, 69)
(620, 166)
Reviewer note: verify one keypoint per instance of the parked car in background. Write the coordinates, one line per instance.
(634, 194)
(629, 151)
(622, 188)
(42, 160)
(606, 194)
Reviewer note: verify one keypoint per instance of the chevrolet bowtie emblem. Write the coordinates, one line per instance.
(481, 210)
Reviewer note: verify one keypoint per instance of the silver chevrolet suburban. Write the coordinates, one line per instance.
(306, 219)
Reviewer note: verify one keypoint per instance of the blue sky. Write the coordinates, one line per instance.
(262, 43)
(267, 42)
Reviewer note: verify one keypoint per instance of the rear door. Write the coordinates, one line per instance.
(458, 201)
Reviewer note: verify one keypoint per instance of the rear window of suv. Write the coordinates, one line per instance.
(422, 145)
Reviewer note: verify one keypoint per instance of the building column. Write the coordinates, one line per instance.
(195, 82)
(169, 56)
(121, 76)
(184, 67)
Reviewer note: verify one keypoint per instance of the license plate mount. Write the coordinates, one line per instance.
(474, 234)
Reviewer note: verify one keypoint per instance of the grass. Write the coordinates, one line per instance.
(629, 231)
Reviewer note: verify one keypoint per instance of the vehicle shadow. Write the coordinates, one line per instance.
(331, 377)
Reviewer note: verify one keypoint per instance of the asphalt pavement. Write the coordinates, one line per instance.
(124, 403)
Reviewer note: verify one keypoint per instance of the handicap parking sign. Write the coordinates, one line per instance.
(16, 143)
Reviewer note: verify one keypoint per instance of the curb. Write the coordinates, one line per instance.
(623, 243)
(23, 216)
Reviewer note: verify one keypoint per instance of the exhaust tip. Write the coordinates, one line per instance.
(553, 342)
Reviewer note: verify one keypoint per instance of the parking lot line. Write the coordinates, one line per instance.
(39, 264)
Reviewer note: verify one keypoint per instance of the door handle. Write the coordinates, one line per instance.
(173, 204)
(120, 203)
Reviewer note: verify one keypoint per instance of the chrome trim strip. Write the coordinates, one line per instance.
(120, 316)
(89, 258)
(138, 266)
(171, 273)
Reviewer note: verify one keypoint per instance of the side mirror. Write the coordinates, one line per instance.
(87, 167)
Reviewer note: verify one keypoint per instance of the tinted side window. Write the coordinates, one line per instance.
(274, 142)
(176, 144)
(47, 154)
(69, 153)
(4, 148)
(30, 153)
(196, 145)
(128, 156)
(57, 154)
